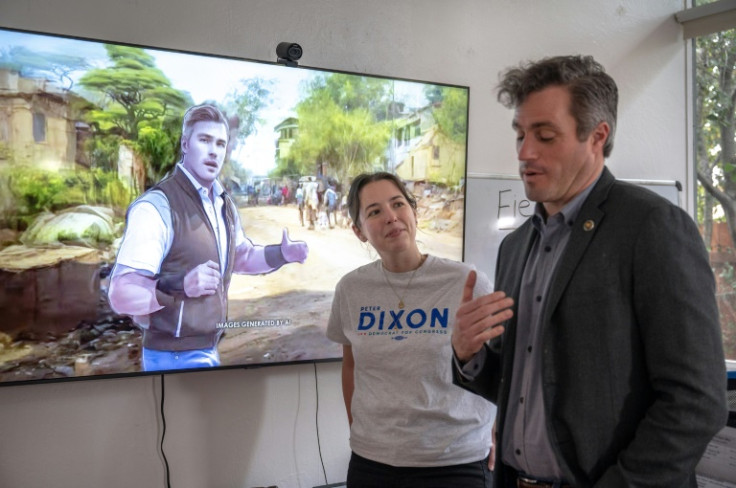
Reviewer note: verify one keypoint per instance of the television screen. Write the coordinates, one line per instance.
(88, 126)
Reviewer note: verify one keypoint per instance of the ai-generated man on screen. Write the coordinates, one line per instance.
(182, 242)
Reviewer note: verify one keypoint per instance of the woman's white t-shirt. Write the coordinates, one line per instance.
(406, 410)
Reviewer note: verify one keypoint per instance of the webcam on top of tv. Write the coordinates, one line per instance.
(288, 53)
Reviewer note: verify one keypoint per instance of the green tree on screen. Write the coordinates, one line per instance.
(136, 93)
(245, 103)
(342, 122)
(450, 111)
(138, 103)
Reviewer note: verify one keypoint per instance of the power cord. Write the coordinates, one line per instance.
(316, 421)
(163, 427)
(163, 435)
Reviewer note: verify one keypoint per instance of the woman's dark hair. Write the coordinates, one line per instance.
(593, 93)
(363, 179)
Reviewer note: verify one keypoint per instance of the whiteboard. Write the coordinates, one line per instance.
(496, 204)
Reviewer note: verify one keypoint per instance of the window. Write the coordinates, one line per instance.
(715, 160)
(714, 58)
(4, 127)
(39, 127)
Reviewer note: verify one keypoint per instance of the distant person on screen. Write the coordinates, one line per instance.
(410, 427)
(300, 203)
(183, 240)
(611, 371)
(331, 205)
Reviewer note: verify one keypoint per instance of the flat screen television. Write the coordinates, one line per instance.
(86, 126)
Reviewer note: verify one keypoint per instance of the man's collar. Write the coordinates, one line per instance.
(570, 211)
(217, 188)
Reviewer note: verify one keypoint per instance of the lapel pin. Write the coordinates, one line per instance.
(588, 225)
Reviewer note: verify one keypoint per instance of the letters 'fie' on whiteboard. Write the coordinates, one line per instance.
(496, 204)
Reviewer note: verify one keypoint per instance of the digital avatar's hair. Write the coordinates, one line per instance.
(202, 113)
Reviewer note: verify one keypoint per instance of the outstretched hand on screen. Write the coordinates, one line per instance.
(293, 251)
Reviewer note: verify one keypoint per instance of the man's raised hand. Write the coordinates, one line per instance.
(478, 319)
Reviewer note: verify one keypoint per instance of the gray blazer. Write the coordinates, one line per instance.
(634, 373)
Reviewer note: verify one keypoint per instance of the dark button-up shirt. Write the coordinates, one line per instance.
(526, 444)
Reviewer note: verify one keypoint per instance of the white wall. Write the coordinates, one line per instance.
(246, 428)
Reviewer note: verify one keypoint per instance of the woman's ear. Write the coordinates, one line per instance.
(358, 233)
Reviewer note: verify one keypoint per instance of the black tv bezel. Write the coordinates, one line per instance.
(277, 63)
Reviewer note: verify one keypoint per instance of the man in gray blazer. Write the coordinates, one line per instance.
(611, 371)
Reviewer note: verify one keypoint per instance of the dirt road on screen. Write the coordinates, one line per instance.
(298, 293)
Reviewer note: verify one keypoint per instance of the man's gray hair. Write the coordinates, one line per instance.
(593, 93)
